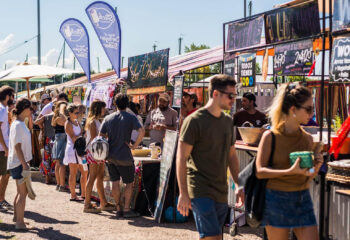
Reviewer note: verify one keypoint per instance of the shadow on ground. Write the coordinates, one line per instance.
(46, 233)
(37, 217)
(148, 222)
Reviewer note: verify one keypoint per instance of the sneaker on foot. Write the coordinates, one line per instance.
(119, 214)
(5, 204)
(131, 214)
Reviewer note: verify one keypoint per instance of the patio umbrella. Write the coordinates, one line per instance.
(27, 71)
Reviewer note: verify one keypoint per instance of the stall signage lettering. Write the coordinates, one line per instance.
(341, 15)
(247, 70)
(340, 70)
(294, 58)
(244, 34)
(178, 88)
(292, 23)
(148, 70)
(229, 64)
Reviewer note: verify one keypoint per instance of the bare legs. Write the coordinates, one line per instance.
(4, 180)
(302, 233)
(116, 194)
(60, 173)
(73, 169)
(19, 205)
(96, 172)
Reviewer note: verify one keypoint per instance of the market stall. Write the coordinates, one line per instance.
(296, 51)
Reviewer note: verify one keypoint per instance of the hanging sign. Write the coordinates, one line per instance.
(237, 37)
(148, 73)
(341, 16)
(340, 69)
(292, 23)
(294, 58)
(102, 92)
(246, 69)
(229, 64)
(107, 27)
(77, 38)
(178, 89)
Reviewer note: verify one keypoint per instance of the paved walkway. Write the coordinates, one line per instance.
(53, 216)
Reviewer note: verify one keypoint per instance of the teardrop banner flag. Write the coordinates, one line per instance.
(107, 27)
(77, 38)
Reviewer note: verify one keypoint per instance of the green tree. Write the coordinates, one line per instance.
(194, 47)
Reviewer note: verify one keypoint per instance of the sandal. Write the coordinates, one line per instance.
(92, 209)
(76, 199)
(108, 207)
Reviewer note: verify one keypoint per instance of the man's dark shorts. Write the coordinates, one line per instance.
(127, 173)
(3, 164)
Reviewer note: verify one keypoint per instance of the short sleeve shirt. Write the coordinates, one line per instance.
(258, 120)
(19, 133)
(4, 119)
(118, 126)
(211, 138)
(47, 109)
(168, 117)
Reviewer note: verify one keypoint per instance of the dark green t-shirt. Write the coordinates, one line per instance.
(211, 138)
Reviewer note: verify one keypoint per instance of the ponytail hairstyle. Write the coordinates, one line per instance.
(95, 112)
(21, 105)
(287, 96)
(70, 109)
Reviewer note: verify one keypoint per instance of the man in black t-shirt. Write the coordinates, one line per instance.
(117, 127)
(248, 114)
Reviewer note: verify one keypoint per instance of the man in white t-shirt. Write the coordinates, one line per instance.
(6, 98)
(47, 109)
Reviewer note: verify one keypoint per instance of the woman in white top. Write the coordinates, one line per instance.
(96, 168)
(71, 158)
(20, 153)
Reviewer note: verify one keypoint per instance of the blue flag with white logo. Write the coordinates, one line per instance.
(107, 26)
(77, 38)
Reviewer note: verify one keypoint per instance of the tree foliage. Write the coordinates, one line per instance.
(194, 47)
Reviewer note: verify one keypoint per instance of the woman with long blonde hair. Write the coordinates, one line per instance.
(92, 127)
(59, 146)
(288, 203)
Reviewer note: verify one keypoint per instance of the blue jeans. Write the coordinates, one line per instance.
(209, 216)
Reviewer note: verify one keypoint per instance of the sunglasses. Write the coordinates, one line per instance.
(76, 113)
(229, 95)
(309, 109)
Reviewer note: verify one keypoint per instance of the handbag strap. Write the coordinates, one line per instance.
(272, 149)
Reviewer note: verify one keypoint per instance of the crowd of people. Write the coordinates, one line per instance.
(206, 150)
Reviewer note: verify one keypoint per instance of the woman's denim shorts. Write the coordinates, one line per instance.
(16, 173)
(59, 146)
(288, 209)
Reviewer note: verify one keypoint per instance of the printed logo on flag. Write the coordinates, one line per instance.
(73, 32)
(102, 18)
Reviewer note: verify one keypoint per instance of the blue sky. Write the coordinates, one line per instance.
(142, 21)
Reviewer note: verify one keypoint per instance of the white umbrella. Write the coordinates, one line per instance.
(28, 71)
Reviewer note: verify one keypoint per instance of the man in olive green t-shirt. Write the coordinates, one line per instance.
(206, 149)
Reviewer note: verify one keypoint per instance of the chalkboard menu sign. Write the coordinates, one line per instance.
(165, 169)
(237, 37)
(293, 58)
(341, 16)
(229, 64)
(292, 23)
(340, 70)
(178, 88)
(246, 69)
